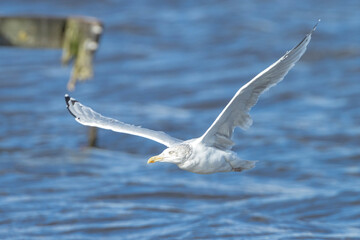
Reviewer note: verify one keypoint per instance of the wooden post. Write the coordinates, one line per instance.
(78, 37)
(81, 40)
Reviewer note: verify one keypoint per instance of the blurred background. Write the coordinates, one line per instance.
(173, 66)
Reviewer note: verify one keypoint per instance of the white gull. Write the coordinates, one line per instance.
(211, 152)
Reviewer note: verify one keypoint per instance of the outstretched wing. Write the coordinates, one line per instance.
(88, 117)
(236, 113)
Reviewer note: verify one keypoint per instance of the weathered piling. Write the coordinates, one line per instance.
(78, 37)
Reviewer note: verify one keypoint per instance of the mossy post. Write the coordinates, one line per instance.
(78, 37)
(81, 40)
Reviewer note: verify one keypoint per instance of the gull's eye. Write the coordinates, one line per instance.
(171, 152)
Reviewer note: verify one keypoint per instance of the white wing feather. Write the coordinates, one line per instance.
(88, 117)
(236, 113)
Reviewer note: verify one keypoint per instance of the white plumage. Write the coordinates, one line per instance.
(212, 151)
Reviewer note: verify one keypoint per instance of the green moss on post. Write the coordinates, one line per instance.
(80, 43)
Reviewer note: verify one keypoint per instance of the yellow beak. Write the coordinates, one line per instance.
(154, 159)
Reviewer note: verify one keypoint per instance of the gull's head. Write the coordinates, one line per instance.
(174, 154)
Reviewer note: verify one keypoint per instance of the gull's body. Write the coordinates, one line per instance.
(211, 152)
(204, 159)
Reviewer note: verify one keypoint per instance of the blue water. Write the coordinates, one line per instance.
(173, 66)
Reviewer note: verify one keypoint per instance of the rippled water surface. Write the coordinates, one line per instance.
(172, 66)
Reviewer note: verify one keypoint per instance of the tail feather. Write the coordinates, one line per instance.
(244, 165)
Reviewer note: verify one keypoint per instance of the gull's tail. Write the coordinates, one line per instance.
(243, 165)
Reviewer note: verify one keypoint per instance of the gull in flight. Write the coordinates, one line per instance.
(211, 152)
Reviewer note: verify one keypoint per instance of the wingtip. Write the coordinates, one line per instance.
(69, 100)
(315, 26)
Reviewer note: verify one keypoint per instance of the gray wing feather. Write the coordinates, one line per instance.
(88, 117)
(236, 113)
